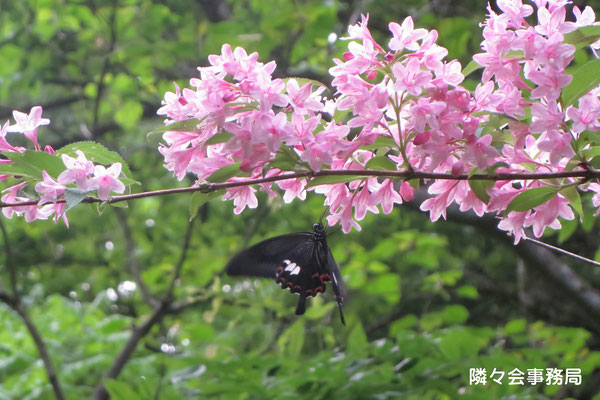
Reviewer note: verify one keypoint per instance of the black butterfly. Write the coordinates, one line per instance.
(301, 262)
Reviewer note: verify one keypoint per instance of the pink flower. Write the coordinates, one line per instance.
(513, 224)
(360, 31)
(243, 196)
(405, 36)
(303, 99)
(386, 196)
(78, 170)
(28, 124)
(345, 217)
(49, 188)
(293, 188)
(106, 180)
(30, 212)
(546, 215)
(410, 78)
(4, 145)
(587, 115)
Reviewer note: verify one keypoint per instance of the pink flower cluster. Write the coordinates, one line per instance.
(79, 173)
(409, 98)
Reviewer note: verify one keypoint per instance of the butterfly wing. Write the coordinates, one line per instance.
(264, 258)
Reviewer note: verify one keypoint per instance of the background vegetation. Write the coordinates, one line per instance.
(136, 297)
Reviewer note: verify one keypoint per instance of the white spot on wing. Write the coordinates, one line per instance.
(290, 266)
(296, 271)
(286, 262)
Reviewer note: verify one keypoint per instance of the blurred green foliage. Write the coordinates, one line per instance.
(426, 301)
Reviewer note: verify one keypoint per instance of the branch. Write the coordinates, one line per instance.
(586, 174)
(140, 331)
(177, 269)
(536, 257)
(134, 267)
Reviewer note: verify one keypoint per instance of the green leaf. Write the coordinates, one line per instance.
(381, 163)
(128, 115)
(381, 142)
(187, 125)
(583, 36)
(584, 79)
(32, 163)
(468, 292)
(292, 339)
(97, 153)
(480, 187)
(531, 198)
(221, 137)
(571, 194)
(515, 326)
(332, 179)
(471, 67)
(120, 390)
(455, 314)
(357, 342)
(74, 197)
(198, 199)
(228, 171)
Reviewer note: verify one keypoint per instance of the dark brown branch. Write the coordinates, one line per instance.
(138, 334)
(140, 331)
(134, 267)
(587, 174)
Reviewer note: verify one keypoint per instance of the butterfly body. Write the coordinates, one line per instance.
(300, 262)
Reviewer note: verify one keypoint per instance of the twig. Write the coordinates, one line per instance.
(177, 269)
(587, 174)
(562, 251)
(133, 265)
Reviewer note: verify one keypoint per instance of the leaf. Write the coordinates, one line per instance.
(32, 163)
(120, 390)
(187, 125)
(583, 36)
(471, 67)
(571, 194)
(221, 137)
(531, 198)
(381, 141)
(332, 179)
(357, 341)
(128, 115)
(74, 197)
(381, 163)
(585, 79)
(199, 199)
(292, 339)
(479, 187)
(226, 172)
(97, 153)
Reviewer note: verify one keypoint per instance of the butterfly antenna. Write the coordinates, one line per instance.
(323, 215)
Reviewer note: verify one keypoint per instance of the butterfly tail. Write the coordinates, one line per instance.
(301, 308)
